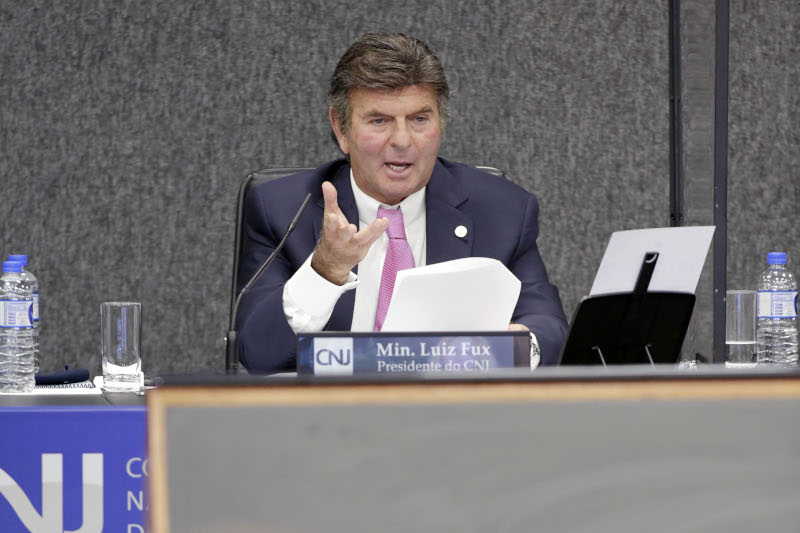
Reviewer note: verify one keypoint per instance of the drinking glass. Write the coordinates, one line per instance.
(121, 334)
(740, 329)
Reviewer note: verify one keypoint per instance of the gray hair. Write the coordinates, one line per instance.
(386, 61)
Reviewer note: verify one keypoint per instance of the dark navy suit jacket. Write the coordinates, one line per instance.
(501, 220)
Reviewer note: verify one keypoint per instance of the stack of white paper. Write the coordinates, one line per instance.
(471, 294)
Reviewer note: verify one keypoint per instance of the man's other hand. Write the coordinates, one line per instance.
(517, 327)
(341, 246)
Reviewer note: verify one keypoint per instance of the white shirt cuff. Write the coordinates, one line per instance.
(309, 299)
(536, 352)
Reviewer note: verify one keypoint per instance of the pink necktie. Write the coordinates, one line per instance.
(398, 257)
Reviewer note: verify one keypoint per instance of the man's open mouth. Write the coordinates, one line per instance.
(398, 166)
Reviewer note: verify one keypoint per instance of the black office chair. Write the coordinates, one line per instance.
(255, 178)
(264, 175)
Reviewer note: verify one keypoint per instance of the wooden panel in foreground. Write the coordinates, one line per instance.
(627, 455)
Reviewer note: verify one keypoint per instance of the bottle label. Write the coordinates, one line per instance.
(36, 306)
(777, 304)
(16, 313)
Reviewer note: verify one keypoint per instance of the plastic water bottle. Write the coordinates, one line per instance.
(776, 336)
(16, 331)
(30, 281)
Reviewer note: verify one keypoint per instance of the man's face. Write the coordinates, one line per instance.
(393, 140)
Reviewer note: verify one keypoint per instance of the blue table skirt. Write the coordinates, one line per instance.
(89, 462)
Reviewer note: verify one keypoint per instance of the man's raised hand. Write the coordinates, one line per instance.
(341, 246)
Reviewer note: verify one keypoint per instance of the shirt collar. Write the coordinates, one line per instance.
(413, 206)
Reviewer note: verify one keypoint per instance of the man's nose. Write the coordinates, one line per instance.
(401, 135)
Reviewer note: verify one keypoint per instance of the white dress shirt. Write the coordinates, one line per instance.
(308, 298)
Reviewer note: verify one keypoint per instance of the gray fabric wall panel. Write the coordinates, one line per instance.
(697, 50)
(764, 150)
(127, 126)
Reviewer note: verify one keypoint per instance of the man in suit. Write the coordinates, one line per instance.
(392, 203)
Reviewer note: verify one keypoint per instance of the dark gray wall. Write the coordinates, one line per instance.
(697, 33)
(125, 128)
(764, 150)
(764, 141)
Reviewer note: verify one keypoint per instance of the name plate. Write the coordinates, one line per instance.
(349, 353)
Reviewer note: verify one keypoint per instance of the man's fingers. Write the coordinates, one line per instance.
(330, 195)
(370, 234)
(331, 223)
(337, 227)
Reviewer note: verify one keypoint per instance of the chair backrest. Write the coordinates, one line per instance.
(253, 179)
(495, 172)
(264, 175)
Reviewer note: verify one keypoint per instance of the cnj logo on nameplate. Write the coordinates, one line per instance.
(333, 356)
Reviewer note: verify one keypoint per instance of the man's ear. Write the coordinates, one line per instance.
(338, 131)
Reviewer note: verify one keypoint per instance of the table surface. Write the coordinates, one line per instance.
(546, 374)
(105, 398)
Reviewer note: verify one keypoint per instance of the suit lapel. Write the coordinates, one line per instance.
(342, 316)
(442, 199)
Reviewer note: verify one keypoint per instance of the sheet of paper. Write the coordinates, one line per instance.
(470, 294)
(682, 252)
(68, 391)
(59, 391)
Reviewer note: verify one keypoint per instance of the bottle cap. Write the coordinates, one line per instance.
(20, 258)
(776, 258)
(12, 266)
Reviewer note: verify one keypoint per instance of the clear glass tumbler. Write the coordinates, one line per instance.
(740, 329)
(121, 335)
